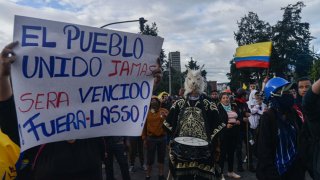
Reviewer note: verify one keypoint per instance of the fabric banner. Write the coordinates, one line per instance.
(254, 55)
(74, 82)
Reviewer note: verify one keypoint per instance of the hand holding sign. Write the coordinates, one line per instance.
(7, 58)
(157, 73)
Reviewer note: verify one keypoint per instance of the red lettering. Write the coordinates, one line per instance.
(52, 97)
(60, 100)
(29, 105)
(43, 101)
(125, 67)
(38, 101)
(115, 67)
(144, 69)
(151, 68)
(133, 67)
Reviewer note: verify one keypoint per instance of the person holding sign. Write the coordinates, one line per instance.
(74, 159)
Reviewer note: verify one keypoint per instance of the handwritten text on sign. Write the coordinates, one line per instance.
(74, 82)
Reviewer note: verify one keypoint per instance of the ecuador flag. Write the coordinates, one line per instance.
(254, 55)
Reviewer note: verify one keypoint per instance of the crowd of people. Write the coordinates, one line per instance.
(272, 131)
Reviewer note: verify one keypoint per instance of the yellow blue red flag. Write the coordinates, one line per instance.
(254, 55)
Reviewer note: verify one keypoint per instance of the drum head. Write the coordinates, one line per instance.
(191, 141)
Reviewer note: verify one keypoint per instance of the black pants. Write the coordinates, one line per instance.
(117, 150)
(295, 172)
(228, 146)
(136, 145)
(242, 139)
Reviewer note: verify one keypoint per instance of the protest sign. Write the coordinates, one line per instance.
(74, 82)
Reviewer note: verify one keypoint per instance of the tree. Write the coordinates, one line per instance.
(291, 40)
(290, 57)
(315, 70)
(192, 64)
(251, 30)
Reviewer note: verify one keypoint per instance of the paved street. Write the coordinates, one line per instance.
(139, 174)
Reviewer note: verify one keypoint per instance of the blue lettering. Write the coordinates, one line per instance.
(123, 109)
(71, 36)
(111, 89)
(50, 68)
(83, 99)
(97, 43)
(62, 67)
(70, 119)
(132, 113)
(111, 47)
(99, 66)
(124, 53)
(81, 119)
(112, 111)
(135, 46)
(145, 111)
(61, 122)
(105, 114)
(148, 90)
(96, 94)
(75, 66)
(82, 40)
(137, 90)
(45, 43)
(26, 36)
(33, 128)
(92, 124)
(25, 61)
(124, 87)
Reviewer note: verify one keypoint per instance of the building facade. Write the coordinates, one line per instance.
(174, 58)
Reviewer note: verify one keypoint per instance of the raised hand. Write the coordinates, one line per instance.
(7, 57)
(157, 73)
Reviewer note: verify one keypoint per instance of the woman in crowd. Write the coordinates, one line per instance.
(228, 138)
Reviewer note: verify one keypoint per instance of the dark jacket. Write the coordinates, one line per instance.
(242, 109)
(267, 144)
(224, 118)
(58, 160)
(310, 137)
(311, 106)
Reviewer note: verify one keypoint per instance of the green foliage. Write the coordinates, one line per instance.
(251, 30)
(315, 70)
(290, 37)
(192, 64)
(291, 40)
(176, 82)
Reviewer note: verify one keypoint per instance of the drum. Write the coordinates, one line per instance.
(190, 148)
(191, 141)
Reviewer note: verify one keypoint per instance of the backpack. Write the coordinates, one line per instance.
(309, 148)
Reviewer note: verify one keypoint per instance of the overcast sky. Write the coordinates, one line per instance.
(202, 29)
